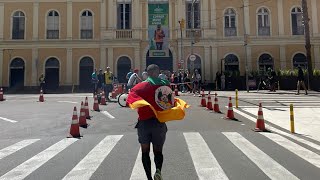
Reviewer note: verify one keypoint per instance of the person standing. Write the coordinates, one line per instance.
(42, 82)
(218, 81)
(134, 79)
(94, 80)
(108, 80)
(301, 81)
(158, 37)
(223, 81)
(144, 75)
(101, 80)
(196, 82)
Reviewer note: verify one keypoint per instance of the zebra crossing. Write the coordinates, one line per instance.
(204, 155)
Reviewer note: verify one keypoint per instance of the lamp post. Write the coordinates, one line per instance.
(245, 47)
(182, 24)
(192, 32)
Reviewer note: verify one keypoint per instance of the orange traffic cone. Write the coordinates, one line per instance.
(216, 104)
(74, 129)
(41, 98)
(209, 104)
(176, 91)
(230, 114)
(203, 100)
(1, 95)
(82, 117)
(260, 127)
(96, 104)
(86, 109)
(103, 99)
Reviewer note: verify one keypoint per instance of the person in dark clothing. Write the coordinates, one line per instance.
(272, 79)
(218, 80)
(101, 80)
(301, 81)
(42, 81)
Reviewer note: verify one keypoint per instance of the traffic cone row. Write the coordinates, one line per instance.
(230, 114)
(82, 118)
(216, 104)
(86, 109)
(209, 104)
(74, 129)
(96, 104)
(103, 99)
(260, 126)
(203, 100)
(41, 98)
(1, 95)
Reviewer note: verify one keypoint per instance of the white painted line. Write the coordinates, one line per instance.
(9, 120)
(107, 114)
(16, 147)
(68, 102)
(138, 172)
(265, 107)
(300, 151)
(88, 165)
(26, 168)
(269, 166)
(313, 145)
(205, 163)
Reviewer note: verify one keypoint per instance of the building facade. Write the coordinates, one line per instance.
(67, 39)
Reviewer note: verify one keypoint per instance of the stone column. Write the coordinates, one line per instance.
(111, 15)
(103, 58)
(110, 58)
(103, 19)
(35, 67)
(1, 21)
(1, 68)
(314, 18)
(207, 64)
(171, 19)
(204, 14)
(215, 62)
(69, 19)
(283, 60)
(213, 14)
(316, 56)
(35, 34)
(137, 60)
(69, 78)
(249, 58)
(280, 18)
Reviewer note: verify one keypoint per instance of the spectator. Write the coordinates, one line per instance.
(101, 79)
(94, 80)
(108, 78)
(129, 74)
(162, 75)
(42, 82)
(144, 75)
(196, 82)
(223, 81)
(301, 81)
(134, 79)
(218, 81)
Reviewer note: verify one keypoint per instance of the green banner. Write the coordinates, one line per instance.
(158, 30)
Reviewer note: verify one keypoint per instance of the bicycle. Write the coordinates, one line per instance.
(122, 99)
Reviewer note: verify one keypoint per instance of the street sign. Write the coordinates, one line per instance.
(192, 57)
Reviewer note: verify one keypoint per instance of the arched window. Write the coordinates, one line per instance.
(53, 25)
(230, 22)
(299, 60)
(86, 25)
(231, 63)
(263, 22)
(265, 62)
(297, 21)
(18, 25)
(195, 15)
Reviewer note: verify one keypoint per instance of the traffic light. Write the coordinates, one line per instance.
(182, 23)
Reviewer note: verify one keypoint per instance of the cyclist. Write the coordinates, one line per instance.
(134, 79)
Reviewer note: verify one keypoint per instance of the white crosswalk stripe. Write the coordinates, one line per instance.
(26, 168)
(204, 161)
(87, 166)
(16, 147)
(302, 152)
(269, 166)
(205, 164)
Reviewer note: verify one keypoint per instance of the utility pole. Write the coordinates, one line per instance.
(192, 32)
(307, 39)
(182, 24)
(245, 39)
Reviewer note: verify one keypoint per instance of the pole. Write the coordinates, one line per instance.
(192, 33)
(307, 39)
(182, 50)
(291, 119)
(245, 48)
(237, 100)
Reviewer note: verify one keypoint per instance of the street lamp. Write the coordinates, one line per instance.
(192, 32)
(182, 24)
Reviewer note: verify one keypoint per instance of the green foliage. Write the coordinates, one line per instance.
(316, 72)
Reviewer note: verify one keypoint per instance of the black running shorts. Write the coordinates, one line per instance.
(151, 131)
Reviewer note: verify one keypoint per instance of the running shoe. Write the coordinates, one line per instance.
(157, 175)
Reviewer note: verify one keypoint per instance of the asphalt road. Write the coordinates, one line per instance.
(202, 146)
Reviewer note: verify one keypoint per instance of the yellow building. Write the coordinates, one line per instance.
(66, 39)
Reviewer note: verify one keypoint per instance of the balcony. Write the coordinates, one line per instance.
(230, 31)
(264, 31)
(197, 33)
(123, 34)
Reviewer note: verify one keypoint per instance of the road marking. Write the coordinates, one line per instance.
(88, 165)
(205, 163)
(284, 106)
(9, 120)
(107, 114)
(138, 172)
(304, 153)
(68, 102)
(269, 166)
(26, 168)
(313, 145)
(16, 147)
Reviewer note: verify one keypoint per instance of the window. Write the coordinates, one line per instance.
(297, 21)
(265, 62)
(86, 25)
(124, 15)
(300, 60)
(18, 25)
(231, 63)
(53, 25)
(230, 23)
(263, 22)
(195, 15)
